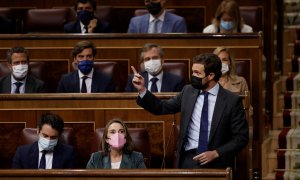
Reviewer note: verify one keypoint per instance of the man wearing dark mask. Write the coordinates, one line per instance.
(156, 80)
(48, 152)
(158, 20)
(86, 79)
(213, 126)
(86, 21)
(19, 81)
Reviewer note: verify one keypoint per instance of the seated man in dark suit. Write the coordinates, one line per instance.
(86, 79)
(86, 21)
(156, 80)
(158, 21)
(47, 152)
(19, 81)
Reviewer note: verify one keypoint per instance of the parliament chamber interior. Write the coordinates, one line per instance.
(268, 58)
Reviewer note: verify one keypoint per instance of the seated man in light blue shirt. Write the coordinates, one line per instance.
(158, 20)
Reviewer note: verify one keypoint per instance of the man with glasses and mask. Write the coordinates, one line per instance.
(158, 20)
(19, 81)
(86, 21)
(86, 79)
(156, 80)
(213, 126)
(47, 152)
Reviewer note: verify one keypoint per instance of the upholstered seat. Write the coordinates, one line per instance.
(140, 138)
(252, 16)
(29, 135)
(46, 20)
(178, 68)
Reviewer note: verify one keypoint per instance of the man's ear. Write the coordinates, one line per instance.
(212, 76)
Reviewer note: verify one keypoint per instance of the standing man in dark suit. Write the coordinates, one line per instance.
(213, 126)
(158, 20)
(86, 21)
(47, 152)
(19, 81)
(156, 80)
(86, 79)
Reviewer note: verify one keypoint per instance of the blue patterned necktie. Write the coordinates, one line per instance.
(203, 136)
(154, 85)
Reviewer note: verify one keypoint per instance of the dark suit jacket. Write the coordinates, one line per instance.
(33, 85)
(69, 83)
(132, 160)
(74, 27)
(170, 82)
(27, 157)
(172, 24)
(229, 128)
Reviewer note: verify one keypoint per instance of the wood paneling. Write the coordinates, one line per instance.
(129, 174)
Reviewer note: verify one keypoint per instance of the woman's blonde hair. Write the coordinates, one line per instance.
(232, 9)
(218, 50)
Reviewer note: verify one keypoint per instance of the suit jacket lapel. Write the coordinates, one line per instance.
(218, 111)
(106, 162)
(75, 79)
(166, 24)
(29, 85)
(125, 163)
(145, 23)
(34, 156)
(78, 27)
(165, 84)
(95, 81)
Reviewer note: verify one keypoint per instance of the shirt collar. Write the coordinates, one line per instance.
(159, 76)
(161, 17)
(214, 91)
(13, 80)
(89, 75)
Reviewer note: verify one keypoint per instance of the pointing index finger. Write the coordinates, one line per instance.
(134, 70)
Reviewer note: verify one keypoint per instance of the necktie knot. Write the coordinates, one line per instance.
(154, 85)
(18, 85)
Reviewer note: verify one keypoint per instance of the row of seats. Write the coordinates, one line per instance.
(140, 138)
(111, 68)
(52, 20)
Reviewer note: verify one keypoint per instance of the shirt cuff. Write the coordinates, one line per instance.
(142, 94)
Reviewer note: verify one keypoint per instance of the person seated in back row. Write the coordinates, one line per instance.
(158, 21)
(86, 21)
(86, 79)
(156, 80)
(117, 149)
(19, 81)
(48, 152)
(228, 19)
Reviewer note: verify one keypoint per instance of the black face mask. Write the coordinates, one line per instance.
(85, 16)
(154, 8)
(196, 82)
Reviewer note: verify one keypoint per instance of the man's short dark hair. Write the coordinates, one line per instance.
(212, 64)
(55, 121)
(92, 3)
(80, 46)
(17, 49)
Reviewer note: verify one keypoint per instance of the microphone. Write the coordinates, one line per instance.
(168, 142)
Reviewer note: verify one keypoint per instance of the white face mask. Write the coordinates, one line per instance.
(47, 144)
(225, 68)
(153, 66)
(20, 71)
